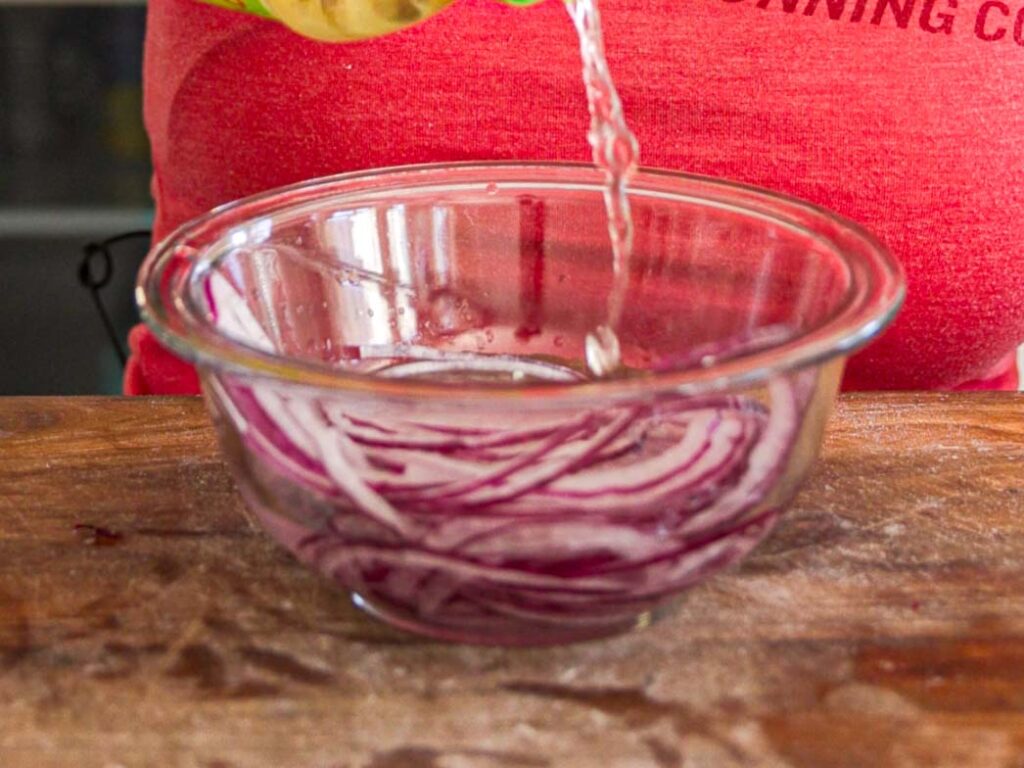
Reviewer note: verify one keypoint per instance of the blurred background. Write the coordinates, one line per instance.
(74, 169)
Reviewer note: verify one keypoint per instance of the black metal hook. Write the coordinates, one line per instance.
(95, 272)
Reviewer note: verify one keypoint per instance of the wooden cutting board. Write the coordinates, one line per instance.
(145, 622)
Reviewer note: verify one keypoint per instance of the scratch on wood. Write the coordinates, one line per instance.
(634, 707)
(97, 536)
(284, 665)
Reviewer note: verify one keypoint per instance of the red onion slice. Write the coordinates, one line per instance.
(539, 516)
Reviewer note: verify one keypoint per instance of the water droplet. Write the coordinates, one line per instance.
(492, 189)
(559, 341)
(489, 334)
(369, 313)
(401, 311)
(450, 314)
(562, 277)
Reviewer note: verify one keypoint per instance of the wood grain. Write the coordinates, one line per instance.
(144, 622)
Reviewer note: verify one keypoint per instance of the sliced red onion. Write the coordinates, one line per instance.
(502, 516)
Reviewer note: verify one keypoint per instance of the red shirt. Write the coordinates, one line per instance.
(902, 115)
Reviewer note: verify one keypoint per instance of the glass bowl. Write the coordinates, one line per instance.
(395, 365)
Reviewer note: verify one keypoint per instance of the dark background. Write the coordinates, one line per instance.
(74, 169)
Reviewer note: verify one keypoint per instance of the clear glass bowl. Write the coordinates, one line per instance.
(394, 362)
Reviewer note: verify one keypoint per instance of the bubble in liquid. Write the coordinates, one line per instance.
(559, 341)
(491, 189)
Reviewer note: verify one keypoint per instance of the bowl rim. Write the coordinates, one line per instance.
(872, 307)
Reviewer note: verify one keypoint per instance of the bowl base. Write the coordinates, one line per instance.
(501, 634)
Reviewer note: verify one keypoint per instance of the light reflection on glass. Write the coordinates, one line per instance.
(441, 259)
(401, 263)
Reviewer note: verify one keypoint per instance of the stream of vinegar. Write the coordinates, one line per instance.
(616, 152)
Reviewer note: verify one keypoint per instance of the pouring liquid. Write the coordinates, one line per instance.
(616, 152)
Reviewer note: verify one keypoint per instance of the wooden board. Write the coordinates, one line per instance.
(143, 622)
